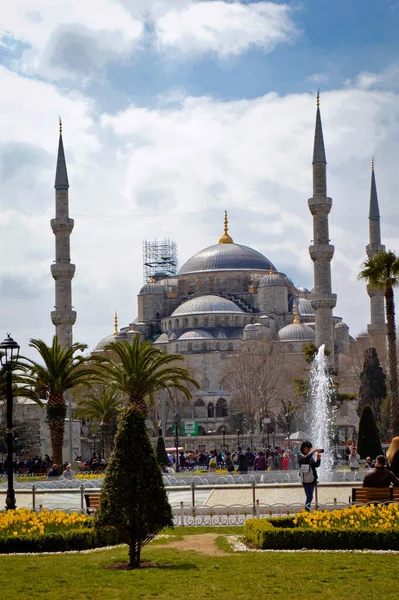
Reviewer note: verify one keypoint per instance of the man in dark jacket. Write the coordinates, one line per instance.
(307, 470)
(380, 476)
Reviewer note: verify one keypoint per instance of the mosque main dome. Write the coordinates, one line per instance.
(226, 256)
(206, 304)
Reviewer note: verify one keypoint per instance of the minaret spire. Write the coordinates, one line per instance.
(377, 304)
(63, 317)
(116, 326)
(321, 251)
(226, 239)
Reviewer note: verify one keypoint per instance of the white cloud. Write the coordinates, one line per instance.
(225, 28)
(181, 165)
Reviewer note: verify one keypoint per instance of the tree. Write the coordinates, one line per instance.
(139, 370)
(133, 500)
(368, 442)
(382, 272)
(373, 388)
(162, 455)
(62, 370)
(104, 407)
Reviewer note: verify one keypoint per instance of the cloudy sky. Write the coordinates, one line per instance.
(173, 111)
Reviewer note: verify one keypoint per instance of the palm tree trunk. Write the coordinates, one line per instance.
(107, 440)
(141, 405)
(392, 359)
(56, 412)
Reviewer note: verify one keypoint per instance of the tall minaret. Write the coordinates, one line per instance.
(377, 306)
(63, 317)
(321, 252)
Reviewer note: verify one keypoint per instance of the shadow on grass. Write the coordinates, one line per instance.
(124, 566)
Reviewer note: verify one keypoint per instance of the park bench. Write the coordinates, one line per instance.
(364, 495)
(92, 502)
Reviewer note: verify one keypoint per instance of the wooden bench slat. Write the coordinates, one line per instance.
(365, 495)
(92, 502)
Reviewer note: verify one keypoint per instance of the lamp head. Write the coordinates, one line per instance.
(9, 352)
(176, 418)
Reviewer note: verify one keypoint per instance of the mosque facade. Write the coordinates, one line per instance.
(229, 294)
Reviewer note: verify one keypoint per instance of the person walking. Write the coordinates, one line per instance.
(307, 470)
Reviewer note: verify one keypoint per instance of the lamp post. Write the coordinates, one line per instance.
(224, 437)
(9, 352)
(176, 420)
(238, 438)
(94, 438)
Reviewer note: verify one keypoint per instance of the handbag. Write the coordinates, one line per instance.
(306, 474)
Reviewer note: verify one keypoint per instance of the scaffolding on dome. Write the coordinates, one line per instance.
(159, 259)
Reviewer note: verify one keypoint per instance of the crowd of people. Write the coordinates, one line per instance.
(240, 460)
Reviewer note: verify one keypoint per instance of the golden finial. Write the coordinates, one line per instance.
(271, 270)
(296, 316)
(372, 163)
(318, 98)
(116, 328)
(60, 123)
(226, 239)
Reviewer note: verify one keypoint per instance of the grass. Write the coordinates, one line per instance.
(193, 576)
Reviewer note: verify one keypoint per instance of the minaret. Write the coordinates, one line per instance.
(63, 317)
(377, 306)
(321, 252)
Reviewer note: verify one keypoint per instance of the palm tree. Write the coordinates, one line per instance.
(103, 406)
(61, 371)
(382, 272)
(139, 370)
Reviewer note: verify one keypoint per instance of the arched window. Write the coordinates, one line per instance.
(199, 409)
(189, 347)
(177, 347)
(221, 408)
(211, 410)
(230, 346)
(185, 323)
(204, 346)
(237, 321)
(226, 321)
(195, 322)
(169, 324)
(205, 383)
(206, 322)
(177, 323)
(218, 346)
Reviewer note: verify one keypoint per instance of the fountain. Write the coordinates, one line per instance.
(321, 416)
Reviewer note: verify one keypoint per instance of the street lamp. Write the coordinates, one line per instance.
(94, 438)
(238, 438)
(176, 420)
(9, 352)
(224, 437)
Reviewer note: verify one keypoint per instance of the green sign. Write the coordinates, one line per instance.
(190, 427)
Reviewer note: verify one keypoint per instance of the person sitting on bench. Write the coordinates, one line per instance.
(380, 476)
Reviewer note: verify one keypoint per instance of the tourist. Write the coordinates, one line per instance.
(273, 462)
(285, 465)
(393, 456)
(228, 462)
(250, 459)
(260, 463)
(307, 470)
(369, 464)
(354, 459)
(68, 473)
(380, 476)
(242, 462)
(53, 471)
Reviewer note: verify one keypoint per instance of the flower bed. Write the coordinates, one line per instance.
(355, 528)
(26, 531)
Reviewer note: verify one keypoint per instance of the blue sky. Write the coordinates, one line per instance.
(174, 110)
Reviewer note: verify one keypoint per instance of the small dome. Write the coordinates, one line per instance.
(162, 339)
(272, 279)
(206, 304)
(151, 288)
(172, 337)
(196, 334)
(305, 307)
(104, 342)
(296, 332)
(252, 326)
(303, 290)
(341, 325)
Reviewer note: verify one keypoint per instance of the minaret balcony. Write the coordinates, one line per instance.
(63, 270)
(323, 301)
(322, 252)
(320, 205)
(62, 226)
(373, 249)
(63, 317)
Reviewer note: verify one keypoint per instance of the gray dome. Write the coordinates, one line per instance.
(151, 288)
(296, 332)
(305, 306)
(303, 290)
(196, 334)
(206, 304)
(226, 257)
(104, 342)
(341, 325)
(162, 339)
(272, 279)
(252, 327)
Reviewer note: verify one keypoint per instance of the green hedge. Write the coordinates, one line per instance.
(80, 539)
(261, 534)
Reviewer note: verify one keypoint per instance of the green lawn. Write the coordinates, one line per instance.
(193, 576)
